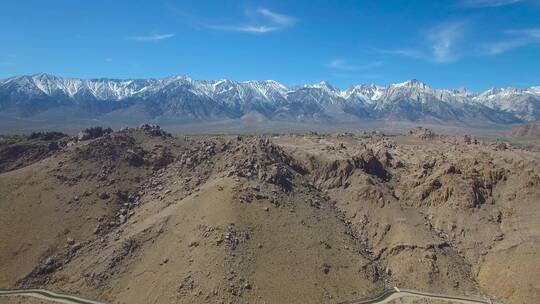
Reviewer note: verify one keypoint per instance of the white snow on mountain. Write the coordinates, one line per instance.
(522, 103)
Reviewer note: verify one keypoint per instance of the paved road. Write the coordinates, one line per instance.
(395, 293)
(385, 297)
(47, 295)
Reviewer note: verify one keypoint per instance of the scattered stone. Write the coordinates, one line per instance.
(104, 195)
(92, 133)
(153, 130)
(326, 268)
(422, 133)
(498, 237)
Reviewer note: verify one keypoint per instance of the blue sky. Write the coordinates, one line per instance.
(464, 43)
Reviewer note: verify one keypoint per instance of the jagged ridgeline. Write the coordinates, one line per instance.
(180, 99)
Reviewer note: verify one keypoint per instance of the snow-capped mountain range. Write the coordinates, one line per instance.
(182, 98)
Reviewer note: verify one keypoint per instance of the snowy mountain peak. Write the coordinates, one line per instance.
(494, 92)
(367, 92)
(44, 76)
(412, 83)
(410, 100)
(180, 78)
(322, 85)
(461, 91)
(268, 84)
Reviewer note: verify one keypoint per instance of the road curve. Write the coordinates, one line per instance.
(47, 295)
(384, 297)
(395, 293)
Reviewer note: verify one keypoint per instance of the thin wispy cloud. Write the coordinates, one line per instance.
(447, 43)
(244, 28)
(266, 21)
(277, 18)
(406, 52)
(344, 65)
(443, 41)
(501, 47)
(516, 39)
(340, 64)
(533, 33)
(153, 37)
(440, 44)
(487, 3)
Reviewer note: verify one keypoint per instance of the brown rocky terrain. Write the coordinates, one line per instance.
(142, 216)
(18, 152)
(526, 130)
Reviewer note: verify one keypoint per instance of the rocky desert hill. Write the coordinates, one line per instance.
(142, 216)
(526, 130)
